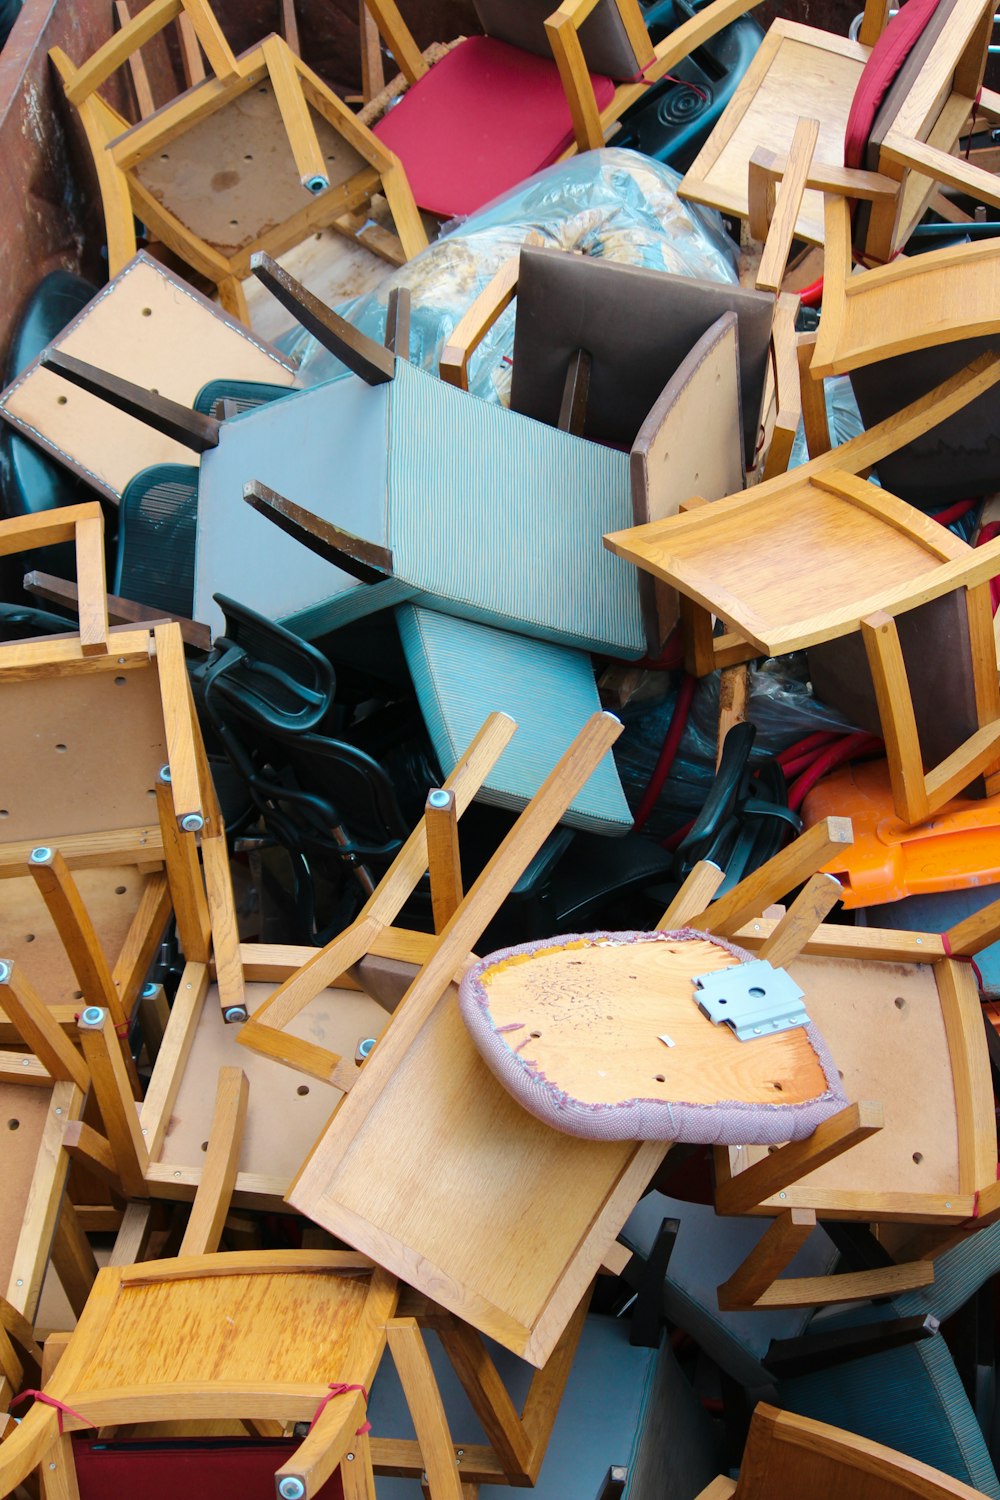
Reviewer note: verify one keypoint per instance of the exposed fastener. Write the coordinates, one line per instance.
(192, 822)
(234, 1013)
(165, 774)
(92, 1015)
(5, 970)
(291, 1488)
(40, 855)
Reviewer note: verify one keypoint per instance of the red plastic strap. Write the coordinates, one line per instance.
(987, 534)
(60, 1407)
(962, 958)
(338, 1388)
(648, 83)
(668, 752)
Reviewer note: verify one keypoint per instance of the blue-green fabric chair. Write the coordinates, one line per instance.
(487, 514)
(910, 1398)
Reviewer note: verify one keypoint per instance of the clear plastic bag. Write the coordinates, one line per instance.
(612, 203)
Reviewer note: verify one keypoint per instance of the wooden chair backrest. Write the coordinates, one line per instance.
(788, 1457)
(193, 17)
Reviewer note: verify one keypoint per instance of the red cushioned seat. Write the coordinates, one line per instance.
(480, 121)
(887, 58)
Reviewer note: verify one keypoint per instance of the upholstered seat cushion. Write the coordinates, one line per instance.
(480, 121)
(462, 670)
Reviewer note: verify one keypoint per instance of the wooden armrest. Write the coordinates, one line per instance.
(686, 38)
(120, 611)
(953, 171)
(473, 327)
(778, 221)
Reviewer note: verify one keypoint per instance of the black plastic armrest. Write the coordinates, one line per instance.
(787, 1358)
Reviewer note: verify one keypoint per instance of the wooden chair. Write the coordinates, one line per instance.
(801, 72)
(870, 558)
(274, 1328)
(110, 711)
(150, 327)
(789, 1457)
(928, 1175)
(882, 326)
(497, 1217)
(184, 170)
(537, 87)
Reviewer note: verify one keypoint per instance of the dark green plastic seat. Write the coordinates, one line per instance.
(156, 534)
(244, 394)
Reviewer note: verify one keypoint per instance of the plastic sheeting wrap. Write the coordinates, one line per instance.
(612, 203)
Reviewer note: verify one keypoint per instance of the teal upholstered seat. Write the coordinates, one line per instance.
(910, 1398)
(622, 1406)
(462, 670)
(487, 513)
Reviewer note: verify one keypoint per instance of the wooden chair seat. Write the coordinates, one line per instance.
(870, 557)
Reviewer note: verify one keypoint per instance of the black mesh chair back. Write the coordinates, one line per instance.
(157, 518)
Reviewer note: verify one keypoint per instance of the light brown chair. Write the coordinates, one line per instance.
(801, 72)
(788, 1457)
(573, 72)
(817, 554)
(929, 1173)
(256, 156)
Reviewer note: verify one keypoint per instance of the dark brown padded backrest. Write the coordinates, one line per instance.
(637, 325)
(957, 460)
(603, 37)
(935, 641)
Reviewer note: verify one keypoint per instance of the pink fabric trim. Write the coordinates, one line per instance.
(729, 1122)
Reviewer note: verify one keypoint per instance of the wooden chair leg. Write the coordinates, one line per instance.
(73, 1258)
(114, 1098)
(773, 880)
(426, 1408)
(693, 897)
(817, 897)
(443, 855)
(58, 1471)
(752, 1187)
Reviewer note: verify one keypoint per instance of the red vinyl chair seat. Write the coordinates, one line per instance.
(480, 121)
(886, 60)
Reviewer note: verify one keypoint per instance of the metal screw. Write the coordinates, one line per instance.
(291, 1488)
(58, 1110)
(51, 1466)
(93, 1015)
(25, 1062)
(177, 1174)
(192, 822)
(438, 799)
(459, 1452)
(233, 1013)
(20, 1282)
(350, 1458)
(947, 1205)
(919, 942)
(121, 661)
(781, 1195)
(165, 774)
(144, 1130)
(5, 970)
(40, 855)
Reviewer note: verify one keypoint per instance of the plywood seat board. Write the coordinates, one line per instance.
(232, 176)
(488, 1216)
(884, 1026)
(28, 935)
(81, 755)
(24, 1113)
(288, 1111)
(590, 1020)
